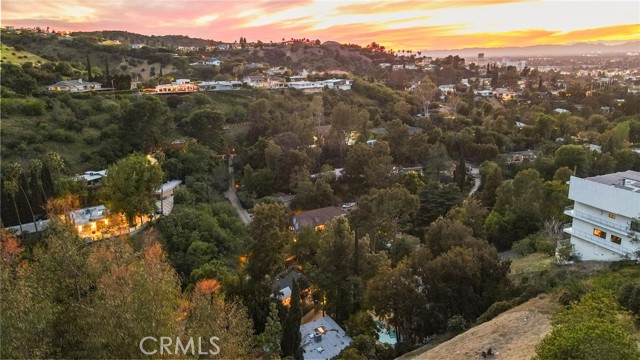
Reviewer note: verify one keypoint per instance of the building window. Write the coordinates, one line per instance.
(599, 233)
(612, 216)
(616, 239)
(635, 225)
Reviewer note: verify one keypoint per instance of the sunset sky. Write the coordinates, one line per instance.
(408, 25)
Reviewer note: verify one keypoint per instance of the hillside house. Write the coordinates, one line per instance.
(317, 218)
(323, 339)
(520, 156)
(448, 88)
(207, 62)
(606, 216)
(219, 85)
(93, 178)
(278, 70)
(74, 86)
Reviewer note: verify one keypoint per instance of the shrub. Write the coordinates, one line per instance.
(498, 308)
(456, 324)
(246, 198)
(63, 136)
(629, 297)
(571, 292)
(523, 247)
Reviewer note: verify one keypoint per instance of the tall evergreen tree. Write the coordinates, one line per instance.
(291, 337)
(107, 77)
(89, 69)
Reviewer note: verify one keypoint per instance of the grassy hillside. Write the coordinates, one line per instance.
(19, 57)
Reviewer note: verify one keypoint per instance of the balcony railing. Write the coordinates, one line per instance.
(596, 220)
(622, 250)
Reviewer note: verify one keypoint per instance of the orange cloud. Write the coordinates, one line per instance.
(411, 5)
(405, 24)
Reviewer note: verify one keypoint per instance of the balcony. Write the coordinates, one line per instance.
(619, 249)
(569, 211)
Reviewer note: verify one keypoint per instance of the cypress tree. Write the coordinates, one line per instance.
(88, 69)
(107, 77)
(291, 337)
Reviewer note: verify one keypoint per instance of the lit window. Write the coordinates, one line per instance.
(599, 233)
(616, 239)
(612, 216)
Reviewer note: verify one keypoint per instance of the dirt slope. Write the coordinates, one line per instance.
(512, 335)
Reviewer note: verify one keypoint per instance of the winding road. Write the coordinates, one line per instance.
(233, 197)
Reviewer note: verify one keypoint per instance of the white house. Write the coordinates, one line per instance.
(137, 46)
(606, 216)
(93, 178)
(208, 62)
(278, 70)
(449, 88)
(74, 86)
(219, 85)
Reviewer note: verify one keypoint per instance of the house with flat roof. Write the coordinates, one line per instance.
(606, 216)
(74, 86)
(323, 339)
(93, 178)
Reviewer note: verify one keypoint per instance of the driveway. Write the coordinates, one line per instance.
(233, 197)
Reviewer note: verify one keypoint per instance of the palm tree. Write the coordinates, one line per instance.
(14, 173)
(35, 168)
(12, 188)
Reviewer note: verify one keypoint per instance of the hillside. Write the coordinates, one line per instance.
(512, 335)
(13, 56)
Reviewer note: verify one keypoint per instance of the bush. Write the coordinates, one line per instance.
(629, 297)
(498, 308)
(456, 324)
(246, 198)
(537, 242)
(571, 292)
(523, 247)
(28, 106)
(63, 136)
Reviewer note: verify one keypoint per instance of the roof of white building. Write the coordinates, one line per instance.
(168, 186)
(627, 180)
(93, 175)
(323, 339)
(86, 215)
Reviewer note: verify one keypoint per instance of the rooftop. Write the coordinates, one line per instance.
(168, 186)
(627, 180)
(317, 216)
(93, 175)
(86, 215)
(323, 339)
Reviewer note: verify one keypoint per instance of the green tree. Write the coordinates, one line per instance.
(491, 179)
(575, 157)
(383, 213)
(206, 126)
(129, 188)
(589, 329)
(272, 336)
(269, 230)
(291, 336)
(343, 261)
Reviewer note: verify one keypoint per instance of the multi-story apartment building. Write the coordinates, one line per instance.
(606, 216)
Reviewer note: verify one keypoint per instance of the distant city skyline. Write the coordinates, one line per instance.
(398, 25)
